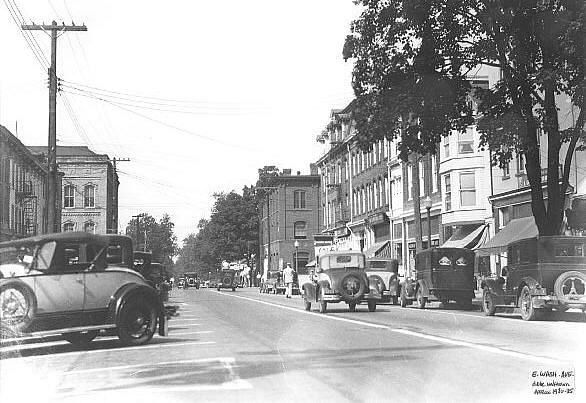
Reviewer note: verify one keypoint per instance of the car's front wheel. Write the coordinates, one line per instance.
(81, 338)
(137, 322)
(352, 306)
(371, 305)
(528, 311)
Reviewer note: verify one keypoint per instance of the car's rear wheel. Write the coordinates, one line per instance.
(17, 305)
(371, 305)
(421, 300)
(352, 306)
(81, 338)
(528, 311)
(137, 322)
(488, 305)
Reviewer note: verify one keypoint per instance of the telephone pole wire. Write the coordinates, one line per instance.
(55, 30)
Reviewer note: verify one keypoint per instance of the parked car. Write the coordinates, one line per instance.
(543, 273)
(441, 274)
(386, 272)
(228, 279)
(273, 284)
(181, 283)
(75, 284)
(340, 276)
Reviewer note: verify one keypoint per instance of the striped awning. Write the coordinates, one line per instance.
(467, 237)
(378, 249)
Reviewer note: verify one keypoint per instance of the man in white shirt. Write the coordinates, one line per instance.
(288, 275)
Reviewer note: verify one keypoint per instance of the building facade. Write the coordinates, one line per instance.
(289, 219)
(89, 190)
(23, 190)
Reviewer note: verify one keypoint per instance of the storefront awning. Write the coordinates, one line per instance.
(520, 228)
(376, 249)
(466, 237)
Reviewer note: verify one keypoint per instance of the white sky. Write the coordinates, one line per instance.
(262, 76)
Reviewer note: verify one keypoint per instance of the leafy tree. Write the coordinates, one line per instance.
(157, 237)
(412, 58)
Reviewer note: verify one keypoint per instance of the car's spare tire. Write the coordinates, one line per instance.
(570, 285)
(227, 281)
(352, 288)
(377, 281)
(17, 304)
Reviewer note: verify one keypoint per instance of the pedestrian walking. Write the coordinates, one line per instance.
(288, 276)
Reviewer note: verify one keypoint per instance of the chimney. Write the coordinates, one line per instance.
(286, 172)
(298, 172)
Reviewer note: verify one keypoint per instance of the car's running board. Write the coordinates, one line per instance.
(37, 335)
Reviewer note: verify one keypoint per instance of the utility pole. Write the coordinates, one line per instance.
(138, 217)
(268, 195)
(55, 30)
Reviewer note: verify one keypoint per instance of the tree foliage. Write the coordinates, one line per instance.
(413, 57)
(230, 234)
(155, 236)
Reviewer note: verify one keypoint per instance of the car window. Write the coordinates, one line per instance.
(45, 255)
(341, 261)
(379, 265)
(569, 250)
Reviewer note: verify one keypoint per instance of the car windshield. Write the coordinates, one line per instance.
(20, 260)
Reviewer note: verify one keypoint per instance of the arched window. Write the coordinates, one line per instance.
(90, 227)
(89, 196)
(68, 196)
(68, 227)
(300, 230)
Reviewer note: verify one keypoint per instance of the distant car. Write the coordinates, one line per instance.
(206, 284)
(543, 273)
(191, 282)
(181, 283)
(228, 279)
(273, 283)
(340, 276)
(386, 272)
(441, 274)
(74, 284)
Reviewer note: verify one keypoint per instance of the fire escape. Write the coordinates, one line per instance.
(27, 200)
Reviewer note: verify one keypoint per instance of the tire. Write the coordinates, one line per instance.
(371, 305)
(137, 322)
(81, 338)
(488, 306)
(528, 312)
(306, 304)
(569, 284)
(404, 300)
(352, 288)
(17, 305)
(421, 300)
(352, 306)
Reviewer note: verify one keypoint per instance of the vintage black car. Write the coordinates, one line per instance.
(75, 284)
(543, 273)
(386, 272)
(228, 279)
(441, 274)
(340, 276)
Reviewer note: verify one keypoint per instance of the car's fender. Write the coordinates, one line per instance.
(495, 286)
(128, 292)
(410, 287)
(534, 286)
(422, 284)
(394, 285)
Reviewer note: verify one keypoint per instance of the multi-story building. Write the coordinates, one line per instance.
(289, 219)
(89, 190)
(23, 187)
(367, 205)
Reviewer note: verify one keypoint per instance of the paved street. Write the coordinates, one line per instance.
(246, 346)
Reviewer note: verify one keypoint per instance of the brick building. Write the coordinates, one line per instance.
(23, 187)
(89, 190)
(290, 214)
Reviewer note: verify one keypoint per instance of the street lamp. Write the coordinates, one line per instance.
(427, 204)
(296, 251)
